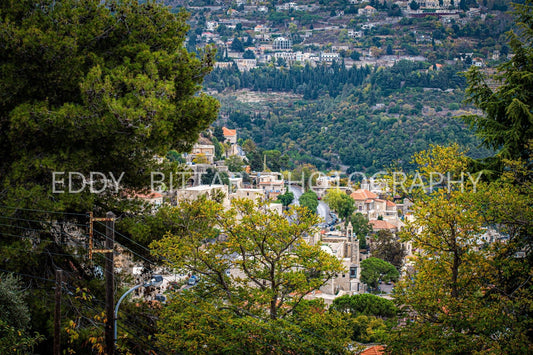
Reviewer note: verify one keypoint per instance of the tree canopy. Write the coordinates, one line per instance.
(309, 199)
(469, 285)
(341, 203)
(361, 228)
(254, 276)
(374, 270)
(507, 121)
(468, 267)
(387, 246)
(82, 81)
(14, 318)
(365, 304)
(286, 198)
(86, 86)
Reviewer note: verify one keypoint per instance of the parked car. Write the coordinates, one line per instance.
(192, 280)
(161, 298)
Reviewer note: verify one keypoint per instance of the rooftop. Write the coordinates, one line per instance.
(362, 194)
(379, 224)
(229, 132)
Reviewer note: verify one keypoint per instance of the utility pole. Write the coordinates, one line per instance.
(57, 313)
(109, 285)
(109, 220)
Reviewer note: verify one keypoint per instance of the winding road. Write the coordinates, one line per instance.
(322, 209)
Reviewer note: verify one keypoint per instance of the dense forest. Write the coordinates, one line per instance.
(330, 79)
(361, 118)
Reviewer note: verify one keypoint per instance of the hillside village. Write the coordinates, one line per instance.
(359, 33)
(249, 34)
(335, 83)
(266, 177)
(223, 181)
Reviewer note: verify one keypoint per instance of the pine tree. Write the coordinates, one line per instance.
(507, 123)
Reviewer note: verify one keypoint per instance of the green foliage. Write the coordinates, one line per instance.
(295, 79)
(270, 248)
(13, 341)
(128, 92)
(349, 128)
(272, 270)
(341, 203)
(236, 45)
(361, 227)
(15, 318)
(13, 310)
(369, 329)
(194, 325)
(374, 270)
(365, 304)
(275, 160)
(15, 321)
(309, 199)
(286, 198)
(248, 54)
(234, 163)
(87, 86)
(387, 246)
(219, 148)
(218, 133)
(174, 156)
(355, 55)
(214, 177)
(464, 293)
(507, 123)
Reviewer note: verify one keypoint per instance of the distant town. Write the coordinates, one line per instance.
(359, 33)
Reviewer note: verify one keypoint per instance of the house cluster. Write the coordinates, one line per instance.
(264, 186)
(203, 151)
(344, 245)
(383, 214)
(273, 41)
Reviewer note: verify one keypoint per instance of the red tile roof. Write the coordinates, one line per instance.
(390, 204)
(379, 224)
(229, 132)
(374, 350)
(151, 195)
(361, 195)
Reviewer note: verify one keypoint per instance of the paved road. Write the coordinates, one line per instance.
(322, 209)
(297, 191)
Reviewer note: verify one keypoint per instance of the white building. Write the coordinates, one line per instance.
(329, 56)
(272, 184)
(282, 43)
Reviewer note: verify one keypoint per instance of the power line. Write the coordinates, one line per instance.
(136, 329)
(21, 227)
(27, 275)
(143, 258)
(42, 252)
(41, 221)
(43, 211)
(240, 309)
